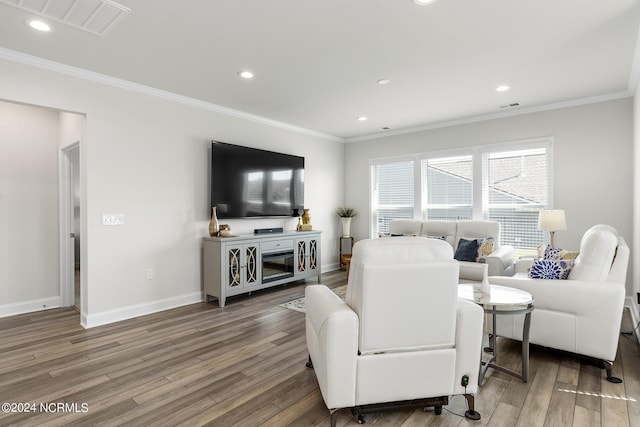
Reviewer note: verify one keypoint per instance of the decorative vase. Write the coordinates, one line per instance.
(213, 224)
(483, 287)
(346, 226)
(306, 217)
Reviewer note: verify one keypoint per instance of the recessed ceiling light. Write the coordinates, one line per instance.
(39, 25)
(383, 81)
(503, 88)
(362, 118)
(423, 2)
(246, 74)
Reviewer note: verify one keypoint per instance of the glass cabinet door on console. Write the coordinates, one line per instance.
(307, 257)
(242, 266)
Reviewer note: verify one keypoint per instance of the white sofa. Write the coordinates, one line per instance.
(582, 314)
(402, 335)
(500, 262)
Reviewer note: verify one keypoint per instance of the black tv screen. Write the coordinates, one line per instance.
(248, 182)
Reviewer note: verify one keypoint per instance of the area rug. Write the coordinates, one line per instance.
(298, 304)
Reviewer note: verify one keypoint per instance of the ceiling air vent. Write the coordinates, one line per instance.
(94, 16)
(512, 105)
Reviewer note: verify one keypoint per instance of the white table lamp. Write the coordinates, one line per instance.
(552, 221)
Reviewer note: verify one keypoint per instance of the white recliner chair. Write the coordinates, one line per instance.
(402, 336)
(582, 314)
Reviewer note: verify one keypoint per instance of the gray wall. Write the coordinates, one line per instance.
(148, 158)
(29, 253)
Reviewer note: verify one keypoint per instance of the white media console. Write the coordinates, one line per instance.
(241, 264)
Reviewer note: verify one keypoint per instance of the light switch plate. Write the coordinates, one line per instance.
(112, 219)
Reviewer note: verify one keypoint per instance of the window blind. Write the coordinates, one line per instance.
(509, 183)
(516, 187)
(447, 188)
(392, 194)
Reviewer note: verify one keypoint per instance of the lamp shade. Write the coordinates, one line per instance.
(552, 220)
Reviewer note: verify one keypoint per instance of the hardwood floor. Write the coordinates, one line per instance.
(245, 365)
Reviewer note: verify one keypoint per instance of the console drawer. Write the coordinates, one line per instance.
(276, 245)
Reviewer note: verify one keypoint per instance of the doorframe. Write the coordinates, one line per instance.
(67, 250)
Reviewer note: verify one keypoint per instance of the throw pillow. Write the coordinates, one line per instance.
(570, 255)
(550, 269)
(554, 264)
(436, 237)
(551, 253)
(467, 250)
(556, 253)
(485, 249)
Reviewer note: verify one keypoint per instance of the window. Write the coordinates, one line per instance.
(447, 188)
(509, 183)
(391, 194)
(516, 188)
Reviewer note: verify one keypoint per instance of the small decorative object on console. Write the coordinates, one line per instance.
(213, 224)
(306, 221)
(225, 230)
(306, 217)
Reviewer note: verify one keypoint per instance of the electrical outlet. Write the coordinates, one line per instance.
(150, 274)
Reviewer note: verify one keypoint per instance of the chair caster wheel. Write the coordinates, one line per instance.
(472, 415)
(361, 419)
(437, 410)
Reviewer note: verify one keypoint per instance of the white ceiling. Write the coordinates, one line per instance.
(316, 62)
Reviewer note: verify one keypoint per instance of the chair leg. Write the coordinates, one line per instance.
(333, 417)
(471, 413)
(608, 366)
(309, 364)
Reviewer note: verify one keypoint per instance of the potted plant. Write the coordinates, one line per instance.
(346, 214)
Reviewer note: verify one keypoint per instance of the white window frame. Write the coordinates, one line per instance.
(440, 155)
(479, 209)
(386, 160)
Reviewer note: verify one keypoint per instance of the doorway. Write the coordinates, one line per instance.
(70, 198)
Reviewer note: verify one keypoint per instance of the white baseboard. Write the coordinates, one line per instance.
(635, 315)
(29, 306)
(90, 320)
(330, 267)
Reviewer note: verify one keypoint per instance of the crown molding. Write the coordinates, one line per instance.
(57, 67)
(35, 61)
(634, 73)
(493, 116)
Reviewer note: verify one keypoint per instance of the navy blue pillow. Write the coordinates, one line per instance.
(467, 250)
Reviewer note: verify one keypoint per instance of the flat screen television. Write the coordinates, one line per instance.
(251, 183)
